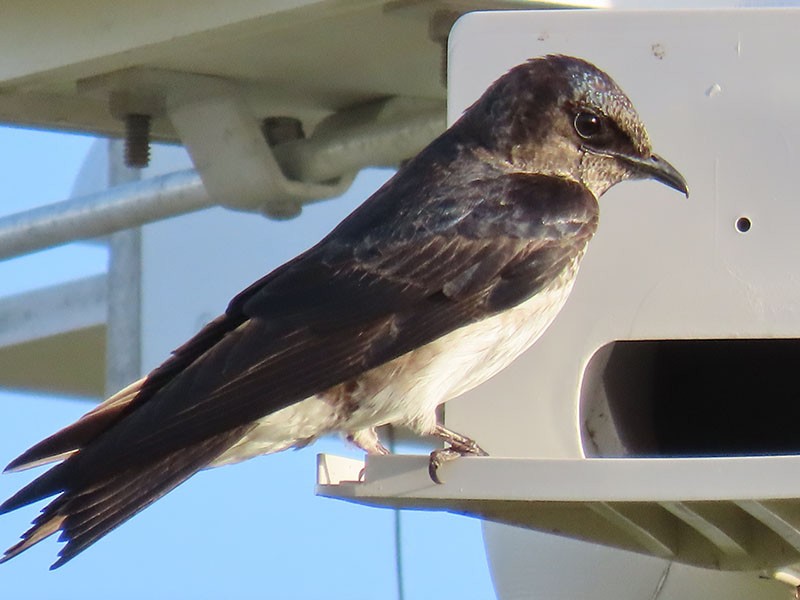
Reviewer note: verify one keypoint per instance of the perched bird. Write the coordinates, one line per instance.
(437, 282)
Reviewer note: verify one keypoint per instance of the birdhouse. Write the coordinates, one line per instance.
(656, 420)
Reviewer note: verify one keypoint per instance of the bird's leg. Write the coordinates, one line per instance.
(458, 445)
(367, 440)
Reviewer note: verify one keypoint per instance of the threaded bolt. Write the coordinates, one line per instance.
(137, 140)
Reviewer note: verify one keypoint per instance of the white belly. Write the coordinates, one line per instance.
(407, 390)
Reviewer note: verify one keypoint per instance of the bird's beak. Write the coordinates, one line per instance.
(659, 169)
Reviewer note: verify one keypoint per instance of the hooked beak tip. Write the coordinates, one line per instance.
(659, 169)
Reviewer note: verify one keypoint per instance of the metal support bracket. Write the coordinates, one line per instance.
(214, 118)
(221, 134)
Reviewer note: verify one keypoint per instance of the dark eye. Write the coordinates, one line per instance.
(589, 125)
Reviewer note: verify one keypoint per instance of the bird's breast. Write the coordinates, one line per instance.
(408, 389)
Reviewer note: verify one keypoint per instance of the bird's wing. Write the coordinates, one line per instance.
(377, 287)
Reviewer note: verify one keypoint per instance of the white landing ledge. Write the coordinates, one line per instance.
(724, 513)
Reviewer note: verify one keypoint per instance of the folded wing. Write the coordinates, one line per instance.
(381, 284)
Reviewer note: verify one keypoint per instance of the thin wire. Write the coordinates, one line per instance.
(398, 545)
(661, 582)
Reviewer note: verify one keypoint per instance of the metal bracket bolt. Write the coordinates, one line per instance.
(137, 140)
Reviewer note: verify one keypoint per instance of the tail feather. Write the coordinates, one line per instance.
(96, 523)
(71, 439)
(44, 486)
(68, 440)
(40, 530)
(86, 513)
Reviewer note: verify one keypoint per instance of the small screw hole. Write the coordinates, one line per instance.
(743, 224)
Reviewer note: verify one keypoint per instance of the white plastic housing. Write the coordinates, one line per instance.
(718, 92)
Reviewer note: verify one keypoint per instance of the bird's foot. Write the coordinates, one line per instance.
(458, 445)
(368, 441)
(458, 442)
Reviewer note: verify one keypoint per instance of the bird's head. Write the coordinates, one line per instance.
(563, 116)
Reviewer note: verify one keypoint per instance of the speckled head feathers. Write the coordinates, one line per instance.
(521, 104)
(593, 88)
(562, 116)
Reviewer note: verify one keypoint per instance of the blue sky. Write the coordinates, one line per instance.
(254, 529)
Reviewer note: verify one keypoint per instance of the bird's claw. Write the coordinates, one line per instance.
(443, 455)
(438, 458)
(470, 447)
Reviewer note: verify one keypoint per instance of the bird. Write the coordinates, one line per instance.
(437, 282)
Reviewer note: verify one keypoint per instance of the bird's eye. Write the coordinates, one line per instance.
(589, 125)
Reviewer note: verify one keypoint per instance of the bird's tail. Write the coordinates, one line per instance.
(68, 440)
(86, 510)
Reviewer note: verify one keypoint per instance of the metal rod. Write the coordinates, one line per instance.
(123, 320)
(356, 140)
(99, 214)
(353, 140)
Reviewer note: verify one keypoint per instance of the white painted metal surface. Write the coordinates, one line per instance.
(44, 327)
(702, 511)
(306, 58)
